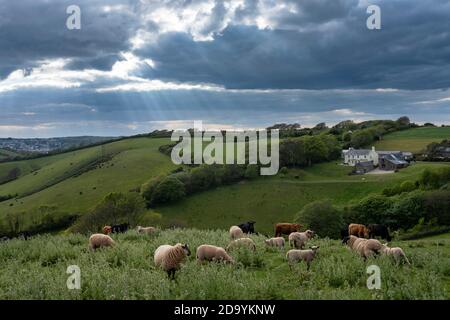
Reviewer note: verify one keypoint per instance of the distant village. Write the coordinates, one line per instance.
(367, 160)
(46, 145)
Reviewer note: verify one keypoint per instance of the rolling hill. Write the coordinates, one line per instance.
(73, 182)
(414, 140)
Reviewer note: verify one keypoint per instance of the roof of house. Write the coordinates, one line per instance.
(357, 152)
(365, 164)
(393, 159)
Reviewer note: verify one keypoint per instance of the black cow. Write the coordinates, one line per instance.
(379, 230)
(344, 233)
(247, 227)
(119, 228)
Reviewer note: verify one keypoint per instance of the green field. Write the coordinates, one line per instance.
(414, 140)
(7, 154)
(36, 269)
(269, 200)
(54, 180)
(74, 182)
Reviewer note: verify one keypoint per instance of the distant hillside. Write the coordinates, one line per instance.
(46, 145)
(414, 140)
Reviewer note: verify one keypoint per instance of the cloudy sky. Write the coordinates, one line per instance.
(135, 66)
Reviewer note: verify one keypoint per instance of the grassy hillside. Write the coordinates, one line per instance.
(268, 200)
(76, 181)
(413, 140)
(36, 269)
(7, 154)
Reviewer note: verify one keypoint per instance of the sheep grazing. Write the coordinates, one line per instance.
(365, 247)
(242, 242)
(146, 230)
(169, 258)
(299, 239)
(207, 252)
(286, 228)
(295, 255)
(275, 242)
(236, 233)
(396, 252)
(99, 240)
(107, 229)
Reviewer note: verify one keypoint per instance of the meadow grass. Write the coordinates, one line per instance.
(136, 161)
(414, 140)
(36, 269)
(268, 200)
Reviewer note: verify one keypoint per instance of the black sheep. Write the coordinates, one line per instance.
(120, 228)
(247, 227)
(379, 230)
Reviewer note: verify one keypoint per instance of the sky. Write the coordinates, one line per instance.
(139, 65)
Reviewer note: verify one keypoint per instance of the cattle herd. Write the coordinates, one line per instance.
(357, 237)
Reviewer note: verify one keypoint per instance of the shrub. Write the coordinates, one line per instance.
(371, 209)
(170, 189)
(115, 208)
(149, 187)
(252, 171)
(321, 217)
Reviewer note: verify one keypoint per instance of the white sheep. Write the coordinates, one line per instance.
(295, 255)
(146, 230)
(98, 240)
(396, 252)
(242, 242)
(207, 252)
(236, 233)
(299, 239)
(169, 258)
(275, 242)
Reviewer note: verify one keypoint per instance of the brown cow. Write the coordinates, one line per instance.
(358, 230)
(286, 228)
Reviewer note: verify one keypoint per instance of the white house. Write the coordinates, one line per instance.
(353, 156)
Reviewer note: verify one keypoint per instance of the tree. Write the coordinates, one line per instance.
(403, 122)
(149, 187)
(361, 138)
(315, 150)
(170, 189)
(115, 208)
(322, 217)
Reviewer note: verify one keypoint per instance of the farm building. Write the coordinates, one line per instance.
(353, 156)
(363, 167)
(392, 161)
(365, 160)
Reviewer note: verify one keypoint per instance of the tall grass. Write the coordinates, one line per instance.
(36, 269)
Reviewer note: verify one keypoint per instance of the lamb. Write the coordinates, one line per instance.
(275, 242)
(99, 240)
(242, 242)
(107, 229)
(146, 230)
(365, 247)
(236, 233)
(299, 239)
(295, 255)
(169, 258)
(396, 252)
(207, 252)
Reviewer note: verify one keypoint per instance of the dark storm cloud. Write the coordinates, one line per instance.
(413, 45)
(36, 30)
